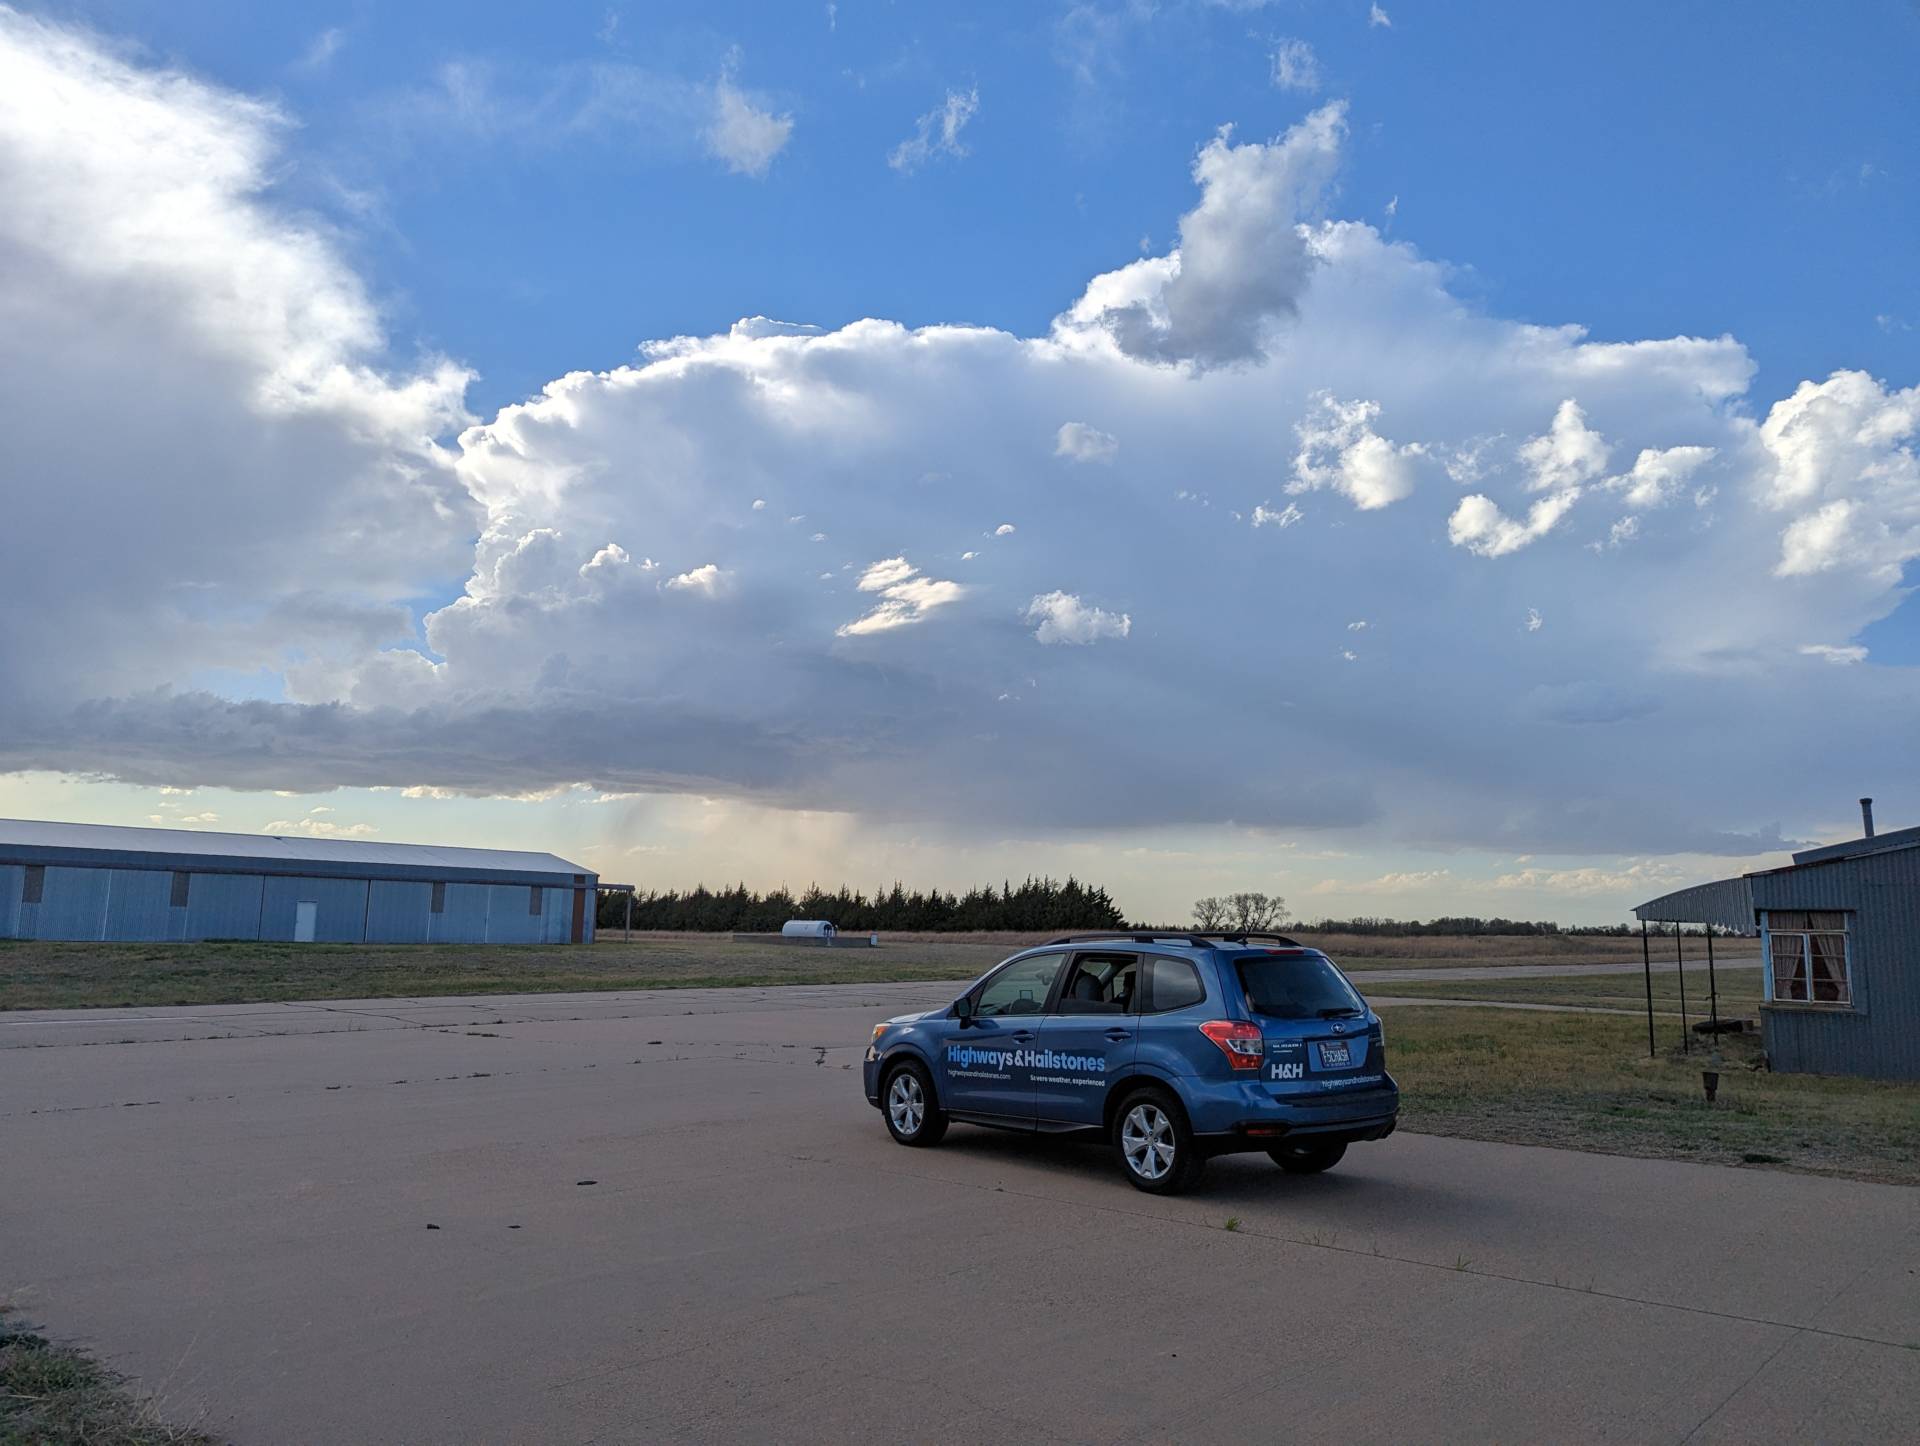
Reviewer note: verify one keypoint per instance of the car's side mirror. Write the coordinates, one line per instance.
(963, 1010)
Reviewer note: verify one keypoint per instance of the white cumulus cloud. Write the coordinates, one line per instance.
(709, 580)
(1659, 474)
(1242, 262)
(1340, 450)
(1567, 454)
(1061, 617)
(1080, 443)
(906, 597)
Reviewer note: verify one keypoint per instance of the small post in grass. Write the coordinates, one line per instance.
(1646, 963)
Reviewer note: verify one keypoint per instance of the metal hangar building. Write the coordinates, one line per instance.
(103, 882)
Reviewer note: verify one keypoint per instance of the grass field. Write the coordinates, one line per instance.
(1739, 990)
(1368, 951)
(75, 976)
(35, 975)
(1584, 1081)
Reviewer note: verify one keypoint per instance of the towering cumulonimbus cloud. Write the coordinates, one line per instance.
(1102, 577)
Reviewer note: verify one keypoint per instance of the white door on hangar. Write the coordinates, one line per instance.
(305, 913)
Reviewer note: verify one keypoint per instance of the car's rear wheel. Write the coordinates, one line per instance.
(1306, 1158)
(1155, 1143)
(906, 1099)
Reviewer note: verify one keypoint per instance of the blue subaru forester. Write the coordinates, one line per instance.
(1175, 1047)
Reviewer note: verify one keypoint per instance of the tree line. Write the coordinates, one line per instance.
(1030, 907)
(1034, 906)
(1469, 924)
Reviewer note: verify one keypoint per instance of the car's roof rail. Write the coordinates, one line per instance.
(1198, 939)
(1131, 936)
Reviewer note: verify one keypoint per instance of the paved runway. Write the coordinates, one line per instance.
(671, 1216)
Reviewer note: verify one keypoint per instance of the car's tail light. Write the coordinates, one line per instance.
(1239, 1041)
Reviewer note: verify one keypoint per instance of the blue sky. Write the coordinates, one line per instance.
(1644, 169)
(523, 194)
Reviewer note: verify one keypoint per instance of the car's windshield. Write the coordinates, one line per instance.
(1297, 986)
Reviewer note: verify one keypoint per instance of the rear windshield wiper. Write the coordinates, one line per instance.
(1345, 1011)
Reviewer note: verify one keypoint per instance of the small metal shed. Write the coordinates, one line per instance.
(807, 929)
(1840, 952)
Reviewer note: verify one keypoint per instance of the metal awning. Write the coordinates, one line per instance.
(1724, 904)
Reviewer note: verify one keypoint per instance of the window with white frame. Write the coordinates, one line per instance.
(1806, 956)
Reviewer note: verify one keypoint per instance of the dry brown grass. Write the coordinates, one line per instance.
(54, 1395)
(1352, 951)
(1585, 1081)
(35, 975)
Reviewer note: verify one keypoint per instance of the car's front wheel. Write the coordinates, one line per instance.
(906, 1099)
(1308, 1159)
(1155, 1143)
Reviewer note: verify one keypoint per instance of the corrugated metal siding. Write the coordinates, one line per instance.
(341, 917)
(465, 919)
(1727, 903)
(12, 878)
(224, 906)
(73, 905)
(138, 905)
(1880, 1035)
(508, 921)
(118, 903)
(398, 913)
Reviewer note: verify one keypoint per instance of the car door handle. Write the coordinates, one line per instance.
(1021, 1036)
(1116, 1035)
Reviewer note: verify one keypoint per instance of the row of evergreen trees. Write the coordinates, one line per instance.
(1036, 905)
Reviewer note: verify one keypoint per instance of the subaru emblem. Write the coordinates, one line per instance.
(1339, 1029)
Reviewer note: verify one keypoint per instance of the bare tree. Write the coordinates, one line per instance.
(1256, 912)
(1209, 914)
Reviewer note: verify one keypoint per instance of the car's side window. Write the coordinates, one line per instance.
(1020, 988)
(1172, 984)
(1101, 983)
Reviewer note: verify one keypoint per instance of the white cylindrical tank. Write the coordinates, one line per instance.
(807, 929)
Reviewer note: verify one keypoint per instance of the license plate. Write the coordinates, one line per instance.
(1335, 1056)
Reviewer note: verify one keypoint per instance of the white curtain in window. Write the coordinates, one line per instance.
(1789, 965)
(1828, 967)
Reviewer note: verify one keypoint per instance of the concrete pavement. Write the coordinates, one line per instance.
(671, 1216)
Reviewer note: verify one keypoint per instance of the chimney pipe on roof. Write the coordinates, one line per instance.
(1866, 815)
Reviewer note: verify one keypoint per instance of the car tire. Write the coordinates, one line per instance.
(1155, 1143)
(1307, 1159)
(908, 1105)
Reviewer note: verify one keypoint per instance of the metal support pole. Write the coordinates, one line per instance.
(1680, 963)
(1646, 962)
(1713, 989)
(627, 935)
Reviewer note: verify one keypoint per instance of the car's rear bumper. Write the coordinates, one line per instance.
(1258, 1120)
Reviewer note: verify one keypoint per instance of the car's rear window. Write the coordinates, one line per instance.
(1296, 986)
